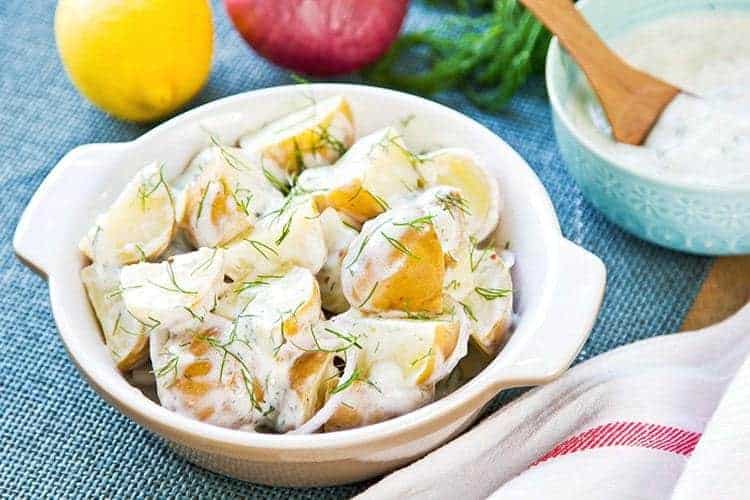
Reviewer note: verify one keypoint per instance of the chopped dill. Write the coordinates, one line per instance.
(344, 386)
(405, 121)
(373, 385)
(284, 231)
(175, 287)
(141, 253)
(365, 240)
(202, 200)
(205, 264)
(145, 191)
(351, 338)
(452, 201)
(242, 203)
(350, 226)
(325, 137)
(194, 315)
(155, 323)
(260, 280)
(262, 248)
(369, 295)
(399, 246)
(120, 290)
(275, 181)
(384, 206)
(468, 311)
(453, 285)
(475, 261)
(417, 224)
(169, 367)
(492, 293)
(421, 358)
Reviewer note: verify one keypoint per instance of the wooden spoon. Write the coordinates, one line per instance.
(632, 100)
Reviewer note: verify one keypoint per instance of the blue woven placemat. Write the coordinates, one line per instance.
(58, 437)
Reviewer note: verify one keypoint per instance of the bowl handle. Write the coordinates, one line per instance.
(576, 299)
(34, 239)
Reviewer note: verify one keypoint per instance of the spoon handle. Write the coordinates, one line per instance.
(632, 99)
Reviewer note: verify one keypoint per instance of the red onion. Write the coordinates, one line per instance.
(318, 37)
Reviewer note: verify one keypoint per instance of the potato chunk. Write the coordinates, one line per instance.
(205, 372)
(368, 179)
(398, 261)
(290, 235)
(140, 223)
(338, 236)
(490, 303)
(177, 289)
(316, 135)
(225, 199)
(124, 335)
(464, 170)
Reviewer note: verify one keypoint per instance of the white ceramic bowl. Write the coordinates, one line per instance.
(559, 285)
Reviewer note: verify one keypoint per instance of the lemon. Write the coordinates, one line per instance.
(138, 60)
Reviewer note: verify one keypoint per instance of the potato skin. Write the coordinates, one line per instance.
(416, 285)
(354, 201)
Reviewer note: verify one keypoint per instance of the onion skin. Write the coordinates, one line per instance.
(318, 37)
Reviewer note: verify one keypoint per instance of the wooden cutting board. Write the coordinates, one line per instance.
(725, 290)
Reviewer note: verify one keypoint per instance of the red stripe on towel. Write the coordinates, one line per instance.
(636, 434)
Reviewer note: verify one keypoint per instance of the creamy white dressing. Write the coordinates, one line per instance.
(705, 139)
(237, 334)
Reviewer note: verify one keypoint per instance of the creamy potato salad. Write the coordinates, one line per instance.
(303, 280)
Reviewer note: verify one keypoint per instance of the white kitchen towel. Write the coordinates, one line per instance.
(667, 417)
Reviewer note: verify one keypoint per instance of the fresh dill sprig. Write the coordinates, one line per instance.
(325, 138)
(468, 311)
(141, 253)
(262, 248)
(369, 295)
(205, 264)
(175, 287)
(418, 223)
(284, 231)
(362, 245)
(352, 341)
(421, 358)
(487, 53)
(169, 367)
(243, 203)
(395, 243)
(260, 280)
(275, 181)
(351, 338)
(155, 323)
(194, 315)
(202, 200)
(475, 260)
(452, 201)
(492, 293)
(347, 383)
(145, 190)
(120, 290)
(384, 206)
(349, 225)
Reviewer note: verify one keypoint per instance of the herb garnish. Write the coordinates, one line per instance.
(399, 246)
(262, 248)
(342, 387)
(468, 311)
(492, 293)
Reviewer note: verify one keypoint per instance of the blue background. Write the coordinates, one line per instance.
(58, 437)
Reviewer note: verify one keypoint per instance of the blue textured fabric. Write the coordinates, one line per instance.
(58, 438)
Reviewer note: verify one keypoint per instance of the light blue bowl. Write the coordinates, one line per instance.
(678, 215)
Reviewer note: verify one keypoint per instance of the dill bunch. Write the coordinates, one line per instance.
(486, 52)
